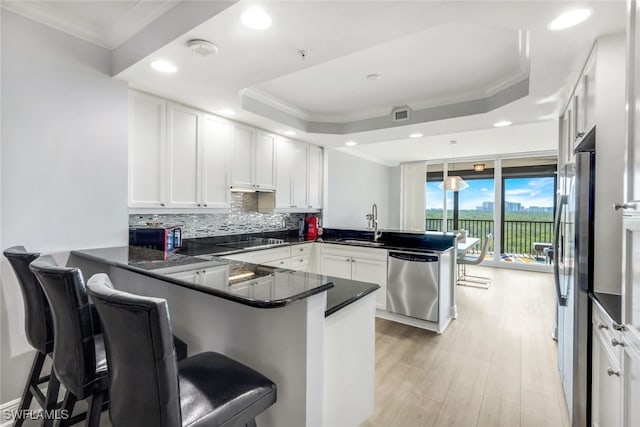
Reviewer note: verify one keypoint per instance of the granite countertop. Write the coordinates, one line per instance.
(249, 284)
(390, 239)
(611, 303)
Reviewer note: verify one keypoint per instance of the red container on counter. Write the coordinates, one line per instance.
(311, 227)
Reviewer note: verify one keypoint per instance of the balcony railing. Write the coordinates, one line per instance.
(518, 237)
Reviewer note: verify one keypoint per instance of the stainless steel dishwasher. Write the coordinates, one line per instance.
(412, 286)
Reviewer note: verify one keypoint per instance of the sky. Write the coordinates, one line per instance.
(528, 191)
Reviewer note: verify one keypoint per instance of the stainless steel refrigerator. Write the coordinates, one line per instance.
(573, 273)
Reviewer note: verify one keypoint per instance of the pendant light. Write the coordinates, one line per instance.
(454, 182)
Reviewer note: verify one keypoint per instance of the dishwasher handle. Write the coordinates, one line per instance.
(413, 257)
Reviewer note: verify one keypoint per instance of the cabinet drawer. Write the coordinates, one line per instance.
(354, 251)
(263, 256)
(603, 330)
(299, 262)
(281, 263)
(303, 249)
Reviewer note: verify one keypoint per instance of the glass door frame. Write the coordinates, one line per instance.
(494, 261)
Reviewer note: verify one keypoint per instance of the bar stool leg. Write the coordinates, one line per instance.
(67, 405)
(51, 400)
(95, 409)
(27, 395)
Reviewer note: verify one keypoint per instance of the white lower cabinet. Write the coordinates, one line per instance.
(606, 402)
(212, 277)
(361, 264)
(631, 387)
(295, 257)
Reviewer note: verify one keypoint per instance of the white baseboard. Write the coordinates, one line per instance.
(8, 408)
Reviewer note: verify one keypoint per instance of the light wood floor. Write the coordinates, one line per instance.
(495, 365)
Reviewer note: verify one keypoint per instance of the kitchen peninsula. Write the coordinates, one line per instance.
(280, 322)
(305, 331)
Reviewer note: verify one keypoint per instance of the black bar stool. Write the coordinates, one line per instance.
(39, 331)
(150, 388)
(79, 358)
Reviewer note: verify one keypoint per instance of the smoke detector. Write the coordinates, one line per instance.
(202, 47)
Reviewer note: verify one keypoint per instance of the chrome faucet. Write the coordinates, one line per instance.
(374, 219)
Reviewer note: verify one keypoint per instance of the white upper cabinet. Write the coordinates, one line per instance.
(178, 157)
(264, 159)
(147, 147)
(284, 190)
(299, 174)
(298, 178)
(314, 181)
(242, 163)
(631, 202)
(183, 132)
(215, 152)
(253, 159)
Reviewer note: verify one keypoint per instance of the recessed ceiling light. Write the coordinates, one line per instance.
(374, 77)
(350, 143)
(569, 19)
(289, 132)
(416, 135)
(256, 19)
(163, 66)
(502, 124)
(227, 112)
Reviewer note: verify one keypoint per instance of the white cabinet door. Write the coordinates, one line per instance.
(631, 391)
(571, 130)
(215, 162)
(242, 162)
(284, 198)
(632, 170)
(314, 192)
(299, 174)
(631, 278)
(215, 277)
(147, 147)
(264, 159)
(336, 265)
(606, 404)
(588, 111)
(183, 124)
(372, 271)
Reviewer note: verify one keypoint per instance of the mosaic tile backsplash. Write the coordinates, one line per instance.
(242, 217)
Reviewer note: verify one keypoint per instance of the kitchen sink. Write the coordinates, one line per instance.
(362, 242)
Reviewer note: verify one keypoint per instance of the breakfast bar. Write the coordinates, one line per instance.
(305, 331)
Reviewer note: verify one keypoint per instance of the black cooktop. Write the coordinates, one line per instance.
(254, 243)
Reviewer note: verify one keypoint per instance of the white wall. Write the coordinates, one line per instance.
(64, 161)
(352, 186)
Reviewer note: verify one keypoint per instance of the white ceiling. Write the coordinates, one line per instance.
(423, 69)
(428, 53)
(104, 23)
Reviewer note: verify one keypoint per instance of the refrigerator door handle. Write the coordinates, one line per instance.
(562, 299)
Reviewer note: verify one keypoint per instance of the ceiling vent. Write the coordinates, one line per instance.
(202, 47)
(401, 114)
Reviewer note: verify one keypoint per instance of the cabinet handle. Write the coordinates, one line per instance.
(257, 185)
(162, 204)
(602, 326)
(615, 342)
(611, 372)
(281, 262)
(199, 205)
(197, 272)
(579, 135)
(301, 249)
(618, 327)
(204, 204)
(618, 206)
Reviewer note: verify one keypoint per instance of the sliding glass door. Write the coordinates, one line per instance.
(511, 199)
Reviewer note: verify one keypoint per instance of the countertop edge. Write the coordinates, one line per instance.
(351, 300)
(251, 303)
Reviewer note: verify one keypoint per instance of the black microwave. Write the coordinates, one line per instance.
(161, 238)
